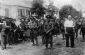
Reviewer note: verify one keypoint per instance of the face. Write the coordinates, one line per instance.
(69, 17)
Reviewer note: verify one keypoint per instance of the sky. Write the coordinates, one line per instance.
(78, 4)
(25, 3)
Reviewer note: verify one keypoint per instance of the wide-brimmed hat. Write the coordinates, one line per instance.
(48, 16)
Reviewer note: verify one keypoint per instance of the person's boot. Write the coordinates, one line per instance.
(46, 45)
(2, 48)
(44, 41)
(5, 47)
(82, 40)
(33, 42)
(37, 44)
(51, 46)
(46, 48)
(72, 47)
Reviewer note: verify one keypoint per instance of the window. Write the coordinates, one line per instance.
(20, 12)
(7, 12)
(27, 12)
(23, 12)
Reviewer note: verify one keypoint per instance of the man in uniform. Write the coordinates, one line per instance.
(48, 34)
(69, 31)
(33, 27)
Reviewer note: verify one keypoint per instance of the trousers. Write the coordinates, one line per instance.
(48, 40)
(69, 35)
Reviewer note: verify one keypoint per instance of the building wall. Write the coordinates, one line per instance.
(2, 12)
(14, 11)
(23, 11)
(6, 10)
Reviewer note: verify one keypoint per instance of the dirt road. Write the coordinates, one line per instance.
(26, 48)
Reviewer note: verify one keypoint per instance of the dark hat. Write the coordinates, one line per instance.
(48, 16)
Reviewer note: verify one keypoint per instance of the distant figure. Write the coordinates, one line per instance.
(34, 34)
(62, 29)
(77, 27)
(69, 31)
(82, 30)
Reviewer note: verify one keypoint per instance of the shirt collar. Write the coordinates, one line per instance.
(69, 20)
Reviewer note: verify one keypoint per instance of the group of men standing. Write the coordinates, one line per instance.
(72, 27)
(48, 29)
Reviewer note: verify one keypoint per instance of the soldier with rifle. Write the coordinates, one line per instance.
(48, 34)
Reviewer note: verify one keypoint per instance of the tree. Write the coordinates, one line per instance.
(37, 7)
(69, 10)
(52, 9)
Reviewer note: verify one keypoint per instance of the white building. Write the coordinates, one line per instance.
(14, 9)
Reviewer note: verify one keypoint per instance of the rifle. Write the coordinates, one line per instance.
(50, 29)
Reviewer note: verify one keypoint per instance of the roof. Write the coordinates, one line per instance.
(14, 2)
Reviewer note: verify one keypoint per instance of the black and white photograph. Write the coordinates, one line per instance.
(42, 27)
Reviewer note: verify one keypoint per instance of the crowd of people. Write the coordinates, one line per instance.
(30, 29)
